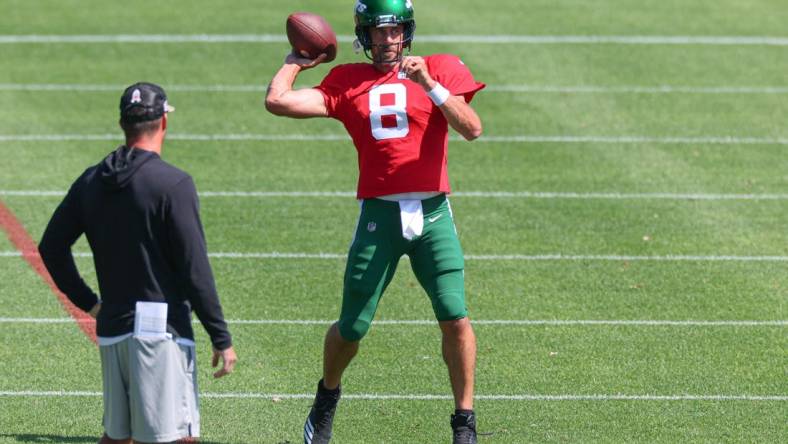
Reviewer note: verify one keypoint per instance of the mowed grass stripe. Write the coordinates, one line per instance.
(610, 229)
(332, 166)
(425, 38)
(507, 118)
(476, 322)
(419, 397)
(23, 292)
(479, 257)
(497, 290)
(568, 89)
(648, 66)
(238, 421)
(622, 359)
(704, 140)
(474, 194)
(526, 227)
(510, 117)
(608, 17)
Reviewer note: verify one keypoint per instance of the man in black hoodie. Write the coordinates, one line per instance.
(141, 218)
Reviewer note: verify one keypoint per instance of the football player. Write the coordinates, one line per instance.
(397, 109)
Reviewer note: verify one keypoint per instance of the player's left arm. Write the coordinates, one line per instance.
(457, 111)
(63, 230)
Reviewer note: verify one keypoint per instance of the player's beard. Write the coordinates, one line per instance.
(379, 53)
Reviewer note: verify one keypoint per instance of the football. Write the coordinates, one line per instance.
(310, 35)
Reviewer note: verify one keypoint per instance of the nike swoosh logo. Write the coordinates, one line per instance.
(433, 219)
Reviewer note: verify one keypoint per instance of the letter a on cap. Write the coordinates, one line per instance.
(135, 96)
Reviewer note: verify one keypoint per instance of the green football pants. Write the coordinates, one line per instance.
(435, 257)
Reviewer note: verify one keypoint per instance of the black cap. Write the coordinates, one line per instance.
(142, 102)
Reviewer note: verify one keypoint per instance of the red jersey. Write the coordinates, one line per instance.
(401, 137)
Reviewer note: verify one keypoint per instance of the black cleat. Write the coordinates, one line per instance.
(464, 427)
(317, 428)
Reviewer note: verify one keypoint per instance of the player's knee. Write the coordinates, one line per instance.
(456, 327)
(357, 291)
(353, 329)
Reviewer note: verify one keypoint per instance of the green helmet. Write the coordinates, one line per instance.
(383, 13)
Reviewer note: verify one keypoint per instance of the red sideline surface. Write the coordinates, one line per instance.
(24, 243)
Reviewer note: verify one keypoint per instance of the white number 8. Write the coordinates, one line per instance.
(376, 111)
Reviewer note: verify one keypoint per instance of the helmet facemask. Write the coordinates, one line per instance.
(365, 42)
(371, 14)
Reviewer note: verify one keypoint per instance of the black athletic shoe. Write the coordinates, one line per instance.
(464, 427)
(317, 428)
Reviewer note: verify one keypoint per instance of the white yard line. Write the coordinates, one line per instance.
(612, 257)
(32, 193)
(703, 140)
(484, 257)
(485, 322)
(424, 397)
(660, 89)
(7, 254)
(482, 194)
(617, 196)
(422, 38)
(530, 322)
(570, 89)
(706, 140)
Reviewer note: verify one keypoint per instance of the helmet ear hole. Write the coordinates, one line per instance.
(410, 29)
(362, 34)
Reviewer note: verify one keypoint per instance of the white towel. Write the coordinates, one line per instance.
(412, 217)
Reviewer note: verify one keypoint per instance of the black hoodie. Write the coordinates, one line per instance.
(141, 218)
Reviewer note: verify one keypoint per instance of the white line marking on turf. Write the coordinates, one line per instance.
(484, 257)
(709, 140)
(527, 322)
(661, 89)
(484, 194)
(622, 196)
(670, 258)
(494, 322)
(57, 137)
(19, 254)
(476, 39)
(417, 397)
(706, 140)
(32, 193)
(276, 255)
(114, 88)
(578, 89)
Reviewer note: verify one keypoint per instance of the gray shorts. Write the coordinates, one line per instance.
(150, 390)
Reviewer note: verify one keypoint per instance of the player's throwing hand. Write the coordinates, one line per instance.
(304, 62)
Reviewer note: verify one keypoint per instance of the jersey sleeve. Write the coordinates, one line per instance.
(333, 89)
(452, 73)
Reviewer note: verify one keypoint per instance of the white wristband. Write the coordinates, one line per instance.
(439, 95)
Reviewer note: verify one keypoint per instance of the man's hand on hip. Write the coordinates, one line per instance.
(228, 361)
(95, 310)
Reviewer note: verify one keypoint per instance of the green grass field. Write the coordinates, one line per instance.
(642, 297)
